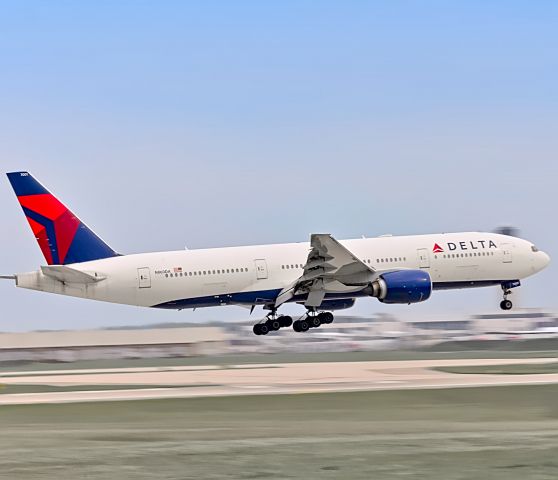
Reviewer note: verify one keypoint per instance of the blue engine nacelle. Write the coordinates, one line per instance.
(402, 286)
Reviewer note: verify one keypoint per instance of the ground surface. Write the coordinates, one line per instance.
(515, 369)
(495, 433)
(78, 385)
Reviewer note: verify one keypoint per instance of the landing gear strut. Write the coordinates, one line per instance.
(312, 320)
(506, 304)
(272, 323)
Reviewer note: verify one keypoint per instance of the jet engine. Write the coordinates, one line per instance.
(402, 286)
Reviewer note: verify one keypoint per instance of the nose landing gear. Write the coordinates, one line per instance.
(506, 304)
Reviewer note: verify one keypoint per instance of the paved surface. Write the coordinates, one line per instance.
(262, 379)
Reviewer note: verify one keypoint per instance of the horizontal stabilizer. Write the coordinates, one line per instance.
(70, 275)
(8, 277)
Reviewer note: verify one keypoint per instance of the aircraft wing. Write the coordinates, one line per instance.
(330, 267)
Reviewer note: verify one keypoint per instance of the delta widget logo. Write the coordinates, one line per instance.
(437, 249)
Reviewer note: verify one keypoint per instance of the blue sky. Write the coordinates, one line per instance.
(165, 124)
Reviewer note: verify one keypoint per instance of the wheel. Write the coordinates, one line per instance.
(296, 326)
(326, 317)
(506, 304)
(314, 321)
(303, 325)
(286, 321)
(256, 329)
(264, 329)
(273, 325)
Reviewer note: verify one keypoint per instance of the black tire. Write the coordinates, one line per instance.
(314, 321)
(506, 305)
(296, 326)
(273, 325)
(326, 317)
(286, 321)
(256, 329)
(264, 329)
(303, 325)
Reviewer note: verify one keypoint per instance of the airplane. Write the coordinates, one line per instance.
(323, 275)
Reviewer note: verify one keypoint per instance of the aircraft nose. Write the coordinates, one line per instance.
(542, 260)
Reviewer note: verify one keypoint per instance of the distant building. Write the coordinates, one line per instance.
(68, 346)
(347, 333)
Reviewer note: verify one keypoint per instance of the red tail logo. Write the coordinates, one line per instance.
(437, 249)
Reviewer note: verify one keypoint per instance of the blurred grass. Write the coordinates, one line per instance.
(37, 388)
(470, 433)
(502, 369)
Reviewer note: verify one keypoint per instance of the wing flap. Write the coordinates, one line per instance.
(330, 267)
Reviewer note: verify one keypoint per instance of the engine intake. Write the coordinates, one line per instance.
(403, 286)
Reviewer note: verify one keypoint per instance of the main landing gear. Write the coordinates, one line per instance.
(312, 320)
(272, 322)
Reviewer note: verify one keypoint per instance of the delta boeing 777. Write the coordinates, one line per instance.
(324, 275)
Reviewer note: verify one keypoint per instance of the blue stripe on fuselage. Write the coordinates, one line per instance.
(262, 297)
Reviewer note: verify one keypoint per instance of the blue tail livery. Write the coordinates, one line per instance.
(62, 237)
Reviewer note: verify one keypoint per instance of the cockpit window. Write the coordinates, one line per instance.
(534, 249)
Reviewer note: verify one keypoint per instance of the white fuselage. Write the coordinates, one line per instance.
(253, 275)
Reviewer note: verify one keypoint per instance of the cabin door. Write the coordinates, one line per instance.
(423, 258)
(506, 251)
(144, 277)
(261, 269)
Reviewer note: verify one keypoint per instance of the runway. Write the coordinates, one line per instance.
(258, 379)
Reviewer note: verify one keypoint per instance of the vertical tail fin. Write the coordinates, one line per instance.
(62, 236)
